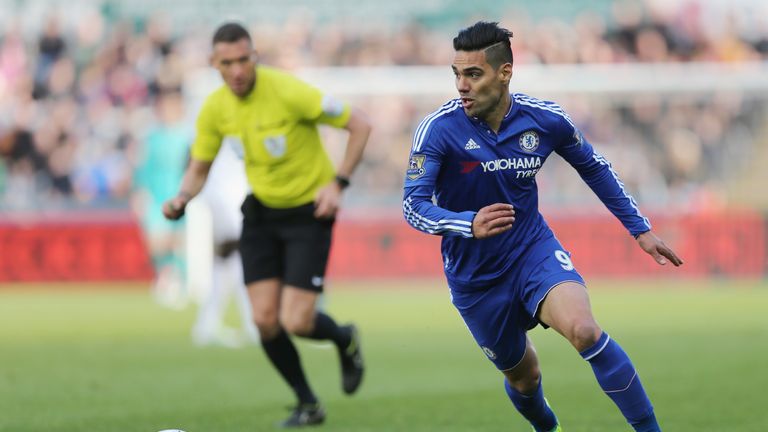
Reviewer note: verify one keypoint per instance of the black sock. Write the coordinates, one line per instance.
(326, 328)
(283, 355)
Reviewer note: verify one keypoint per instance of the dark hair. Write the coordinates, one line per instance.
(488, 36)
(230, 32)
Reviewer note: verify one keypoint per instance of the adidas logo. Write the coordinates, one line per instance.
(471, 145)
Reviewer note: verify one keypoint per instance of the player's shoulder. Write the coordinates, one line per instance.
(445, 113)
(543, 110)
(445, 117)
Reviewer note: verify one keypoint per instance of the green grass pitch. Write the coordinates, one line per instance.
(112, 360)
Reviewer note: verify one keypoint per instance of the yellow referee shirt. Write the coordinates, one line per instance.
(285, 160)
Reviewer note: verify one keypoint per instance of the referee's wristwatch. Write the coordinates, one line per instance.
(342, 181)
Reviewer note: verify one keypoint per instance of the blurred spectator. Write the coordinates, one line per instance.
(77, 93)
(51, 48)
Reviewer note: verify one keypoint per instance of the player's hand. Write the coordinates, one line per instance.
(656, 248)
(173, 209)
(327, 201)
(492, 220)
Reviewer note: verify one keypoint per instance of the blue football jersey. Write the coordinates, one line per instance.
(458, 165)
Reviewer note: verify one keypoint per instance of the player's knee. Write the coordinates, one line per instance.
(525, 383)
(584, 334)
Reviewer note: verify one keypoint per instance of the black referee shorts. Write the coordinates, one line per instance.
(289, 244)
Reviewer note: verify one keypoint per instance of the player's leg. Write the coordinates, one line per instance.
(208, 324)
(209, 327)
(525, 390)
(498, 322)
(567, 309)
(307, 247)
(234, 268)
(164, 239)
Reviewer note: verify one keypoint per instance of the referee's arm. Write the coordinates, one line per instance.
(328, 197)
(191, 185)
(359, 127)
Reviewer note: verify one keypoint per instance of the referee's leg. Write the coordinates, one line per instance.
(307, 247)
(264, 295)
(299, 316)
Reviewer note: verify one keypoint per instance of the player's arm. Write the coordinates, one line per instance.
(191, 185)
(422, 214)
(329, 197)
(424, 167)
(597, 172)
(656, 248)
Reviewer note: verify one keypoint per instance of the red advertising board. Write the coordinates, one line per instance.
(111, 248)
(73, 248)
(728, 245)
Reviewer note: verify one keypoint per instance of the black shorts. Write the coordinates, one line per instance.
(289, 244)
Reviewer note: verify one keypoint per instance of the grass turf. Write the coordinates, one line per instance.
(112, 360)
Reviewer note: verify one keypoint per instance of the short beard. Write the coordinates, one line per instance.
(483, 115)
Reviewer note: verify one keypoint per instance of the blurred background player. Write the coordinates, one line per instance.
(160, 166)
(219, 202)
(289, 215)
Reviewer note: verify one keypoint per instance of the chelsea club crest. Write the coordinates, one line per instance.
(529, 141)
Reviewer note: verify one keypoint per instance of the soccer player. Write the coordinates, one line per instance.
(289, 216)
(225, 188)
(478, 155)
(161, 165)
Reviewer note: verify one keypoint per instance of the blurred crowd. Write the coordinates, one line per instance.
(86, 103)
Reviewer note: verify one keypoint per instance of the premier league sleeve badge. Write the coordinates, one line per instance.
(416, 167)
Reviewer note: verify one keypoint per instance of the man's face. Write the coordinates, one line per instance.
(480, 87)
(236, 62)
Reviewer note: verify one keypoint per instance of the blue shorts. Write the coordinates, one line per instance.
(499, 317)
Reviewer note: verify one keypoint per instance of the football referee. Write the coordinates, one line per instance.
(289, 216)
